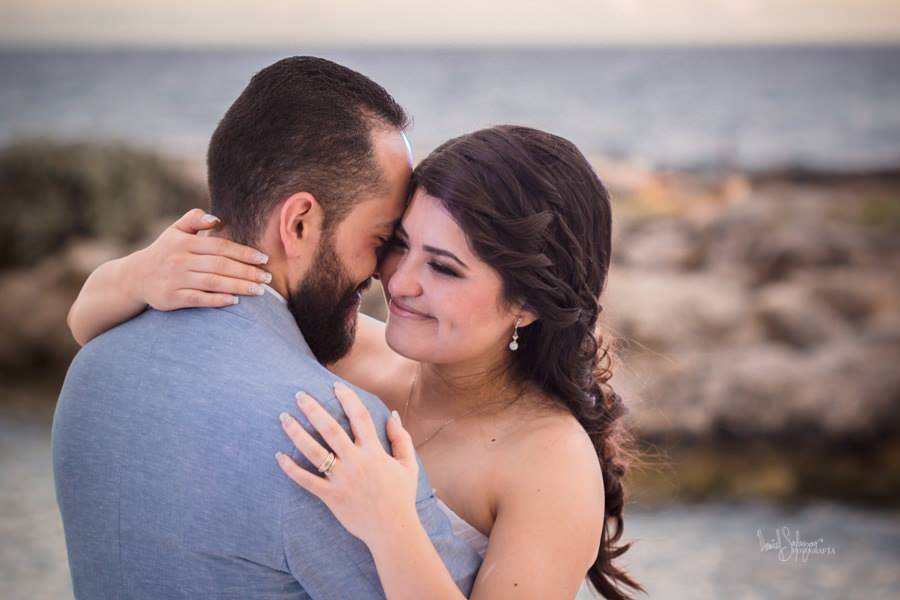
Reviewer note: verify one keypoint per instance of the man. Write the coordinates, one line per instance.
(167, 425)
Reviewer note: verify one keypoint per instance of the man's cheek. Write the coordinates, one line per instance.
(387, 267)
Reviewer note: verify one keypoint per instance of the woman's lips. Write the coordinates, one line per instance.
(399, 309)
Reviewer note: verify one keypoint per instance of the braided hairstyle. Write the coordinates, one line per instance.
(534, 210)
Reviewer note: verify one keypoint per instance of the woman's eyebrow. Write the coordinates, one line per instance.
(401, 232)
(446, 253)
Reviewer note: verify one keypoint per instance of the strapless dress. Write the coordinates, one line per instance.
(477, 540)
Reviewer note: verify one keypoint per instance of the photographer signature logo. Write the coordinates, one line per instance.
(793, 548)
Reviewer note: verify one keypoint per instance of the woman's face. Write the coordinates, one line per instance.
(446, 305)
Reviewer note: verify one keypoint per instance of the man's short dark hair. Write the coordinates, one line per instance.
(301, 124)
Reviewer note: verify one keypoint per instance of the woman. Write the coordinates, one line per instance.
(489, 359)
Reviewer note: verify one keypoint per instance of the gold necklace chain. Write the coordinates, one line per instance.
(441, 427)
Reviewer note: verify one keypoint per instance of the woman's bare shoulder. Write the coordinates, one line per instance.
(549, 443)
(549, 483)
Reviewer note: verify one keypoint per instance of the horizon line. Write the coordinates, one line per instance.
(738, 44)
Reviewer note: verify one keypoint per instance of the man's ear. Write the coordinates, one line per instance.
(300, 224)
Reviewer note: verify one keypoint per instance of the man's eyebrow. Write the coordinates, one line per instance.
(401, 232)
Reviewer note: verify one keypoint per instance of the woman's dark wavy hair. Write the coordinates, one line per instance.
(532, 208)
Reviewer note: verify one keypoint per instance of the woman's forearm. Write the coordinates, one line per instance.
(408, 564)
(105, 300)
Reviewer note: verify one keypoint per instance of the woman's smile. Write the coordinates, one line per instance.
(403, 311)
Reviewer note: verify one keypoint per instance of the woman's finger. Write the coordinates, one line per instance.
(330, 430)
(303, 441)
(357, 413)
(222, 265)
(198, 299)
(196, 220)
(318, 486)
(222, 247)
(401, 441)
(210, 282)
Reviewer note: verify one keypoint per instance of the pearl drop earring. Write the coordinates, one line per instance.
(514, 344)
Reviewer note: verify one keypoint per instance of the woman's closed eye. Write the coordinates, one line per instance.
(398, 244)
(443, 269)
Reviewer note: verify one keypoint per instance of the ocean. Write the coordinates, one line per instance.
(752, 108)
(704, 551)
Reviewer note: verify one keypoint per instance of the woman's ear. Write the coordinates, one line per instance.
(300, 225)
(526, 314)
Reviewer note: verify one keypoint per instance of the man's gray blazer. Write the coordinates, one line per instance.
(164, 444)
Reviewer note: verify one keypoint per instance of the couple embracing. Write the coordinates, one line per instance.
(233, 427)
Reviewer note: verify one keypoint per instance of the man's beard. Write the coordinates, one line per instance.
(324, 305)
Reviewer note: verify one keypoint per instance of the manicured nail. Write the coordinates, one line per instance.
(340, 385)
(207, 218)
(262, 258)
(302, 399)
(265, 277)
(257, 290)
(235, 300)
(396, 415)
(285, 418)
(279, 455)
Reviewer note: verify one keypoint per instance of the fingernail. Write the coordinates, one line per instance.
(235, 300)
(340, 385)
(284, 417)
(262, 258)
(257, 290)
(279, 455)
(301, 398)
(265, 277)
(207, 218)
(396, 415)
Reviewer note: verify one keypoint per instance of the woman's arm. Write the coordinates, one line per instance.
(105, 300)
(550, 506)
(549, 503)
(180, 269)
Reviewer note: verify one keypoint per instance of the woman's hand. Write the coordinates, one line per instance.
(368, 490)
(185, 268)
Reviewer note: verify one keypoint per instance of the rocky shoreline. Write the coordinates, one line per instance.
(758, 322)
(756, 317)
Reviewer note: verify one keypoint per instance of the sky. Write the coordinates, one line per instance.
(446, 23)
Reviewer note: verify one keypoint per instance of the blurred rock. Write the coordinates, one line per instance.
(853, 388)
(670, 311)
(786, 249)
(36, 304)
(793, 314)
(849, 389)
(859, 295)
(663, 244)
(55, 192)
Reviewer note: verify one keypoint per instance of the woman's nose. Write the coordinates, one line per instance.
(403, 281)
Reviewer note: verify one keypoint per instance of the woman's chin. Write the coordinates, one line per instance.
(404, 343)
